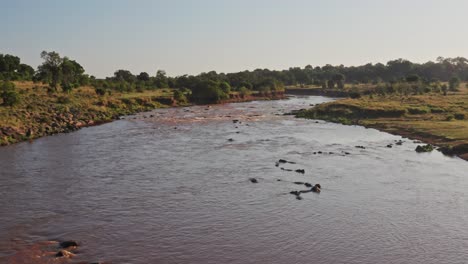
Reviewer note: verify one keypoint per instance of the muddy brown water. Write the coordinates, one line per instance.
(172, 188)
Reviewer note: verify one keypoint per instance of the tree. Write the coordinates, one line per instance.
(208, 91)
(161, 79)
(454, 83)
(50, 70)
(143, 76)
(72, 74)
(339, 79)
(124, 75)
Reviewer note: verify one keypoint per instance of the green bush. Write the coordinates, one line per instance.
(8, 94)
(417, 110)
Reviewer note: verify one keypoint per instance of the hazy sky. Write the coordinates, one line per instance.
(227, 36)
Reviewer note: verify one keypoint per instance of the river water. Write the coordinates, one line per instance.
(172, 188)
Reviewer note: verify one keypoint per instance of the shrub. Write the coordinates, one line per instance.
(63, 99)
(179, 96)
(459, 116)
(100, 91)
(8, 94)
(417, 110)
(437, 110)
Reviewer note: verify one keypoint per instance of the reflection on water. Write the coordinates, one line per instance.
(169, 187)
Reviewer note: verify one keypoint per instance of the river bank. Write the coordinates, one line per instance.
(41, 114)
(432, 118)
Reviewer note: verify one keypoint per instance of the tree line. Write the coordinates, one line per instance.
(63, 73)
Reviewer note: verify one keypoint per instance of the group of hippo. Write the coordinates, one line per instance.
(313, 188)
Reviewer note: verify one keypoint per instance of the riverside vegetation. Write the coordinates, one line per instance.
(424, 101)
(415, 110)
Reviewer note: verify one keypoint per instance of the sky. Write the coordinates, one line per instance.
(194, 36)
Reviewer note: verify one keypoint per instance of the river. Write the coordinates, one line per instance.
(169, 186)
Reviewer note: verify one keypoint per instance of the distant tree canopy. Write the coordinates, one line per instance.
(12, 69)
(63, 72)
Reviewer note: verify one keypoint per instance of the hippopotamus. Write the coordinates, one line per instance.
(316, 188)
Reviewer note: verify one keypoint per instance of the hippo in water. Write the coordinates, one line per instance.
(316, 188)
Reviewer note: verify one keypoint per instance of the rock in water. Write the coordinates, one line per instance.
(253, 180)
(425, 148)
(300, 171)
(64, 253)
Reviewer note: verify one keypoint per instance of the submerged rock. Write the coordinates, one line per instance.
(64, 253)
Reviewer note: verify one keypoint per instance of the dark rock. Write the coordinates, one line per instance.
(319, 152)
(300, 171)
(68, 243)
(298, 183)
(298, 197)
(315, 153)
(253, 180)
(235, 121)
(237, 132)
(389, 146)
(347, 153)
(278, 179)
(331, 153)
(307, 184)
(230, 140)
(276, 164)
(399, 143)
(297, 193)
(361, 147)
(425, 148)
(282, 161)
